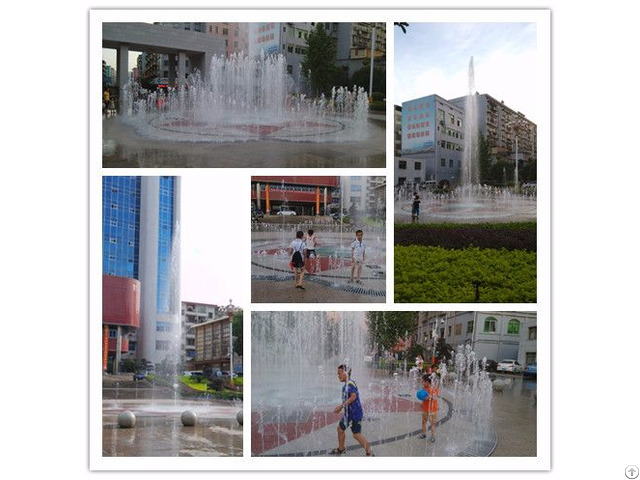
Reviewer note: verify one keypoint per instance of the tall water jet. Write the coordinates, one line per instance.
(470, 168)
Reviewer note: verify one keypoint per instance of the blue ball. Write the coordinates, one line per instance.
(422, 394)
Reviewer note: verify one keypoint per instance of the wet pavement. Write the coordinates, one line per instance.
(122, 147)
(159, 431)
(272, 280)
(511, 430)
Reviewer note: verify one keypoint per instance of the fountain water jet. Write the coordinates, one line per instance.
(470, 201)
(245, 98)
(295, 389)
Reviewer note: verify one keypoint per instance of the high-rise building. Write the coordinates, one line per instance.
(502, 126)
(140, 216)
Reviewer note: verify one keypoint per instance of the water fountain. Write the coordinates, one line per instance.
(157, 415)
(295, 389)
(469, 202)
(245, 99)
(270, 256)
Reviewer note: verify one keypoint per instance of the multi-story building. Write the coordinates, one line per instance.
(194, 314)
(494, 335)
(304, 195)
(354, 41)
(365, 193)
(432, 141)
(213, 344)
(397, 131)
(235, 36)
(140, 248)
(503, 127)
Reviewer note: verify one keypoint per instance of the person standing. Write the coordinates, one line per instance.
(312, 258)
(415, 208)
(297, 258)
(358, 247)
(352, 414)
(429, 407)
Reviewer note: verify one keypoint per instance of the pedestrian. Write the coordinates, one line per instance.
(358, 247)
(419, 362)
(415, 207)
(297, 258)
(105, 101)
(352, 414)
(429, 407)
(312, 257)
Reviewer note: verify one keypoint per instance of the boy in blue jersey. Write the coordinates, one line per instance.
(351, 409)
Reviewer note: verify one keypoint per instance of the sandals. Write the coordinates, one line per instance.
(338, 451)
(300, 287)
(370, 454)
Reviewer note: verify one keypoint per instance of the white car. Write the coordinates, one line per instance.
(286, 212)
(509, 365)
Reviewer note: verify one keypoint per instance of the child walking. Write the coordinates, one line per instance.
(358, 247)
(429, 408)
(297, 258)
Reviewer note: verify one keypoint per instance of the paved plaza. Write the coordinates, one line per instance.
(272, 279)
(158, 429)
(393, 428)
(122, 147)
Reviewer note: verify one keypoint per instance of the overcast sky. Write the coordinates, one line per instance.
(433, 58)
(215, 238)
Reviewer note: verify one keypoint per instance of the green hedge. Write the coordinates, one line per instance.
(425, 274)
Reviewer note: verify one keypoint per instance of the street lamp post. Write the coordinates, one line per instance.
(516, 126)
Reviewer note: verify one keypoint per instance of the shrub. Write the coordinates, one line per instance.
(436, 275)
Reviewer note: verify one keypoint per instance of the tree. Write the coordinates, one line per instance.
(237, 333)
(362, 77)
(403, 26)
(318, 65)
(386, 328)
(484, 157)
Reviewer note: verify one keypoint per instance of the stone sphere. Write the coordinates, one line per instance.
(239, 417)
(188, 418)
(126, 419)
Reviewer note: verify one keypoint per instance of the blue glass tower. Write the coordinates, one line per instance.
(140, 218)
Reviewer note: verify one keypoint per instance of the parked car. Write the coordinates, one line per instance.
(509, 365)
(227, 374)
(286, 212)
(491, 365)
(140, 375)
(531, 370)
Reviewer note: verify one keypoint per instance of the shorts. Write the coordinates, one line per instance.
(415, 211)
(297, 260)
(311, 253)
(431, 416)
(355, 426)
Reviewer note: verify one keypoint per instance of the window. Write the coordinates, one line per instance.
(164, 327)
(417, 165)
(450, 163)
(449, 331)
(290, 69)
(458, 329)
(529, 357)
(402, 164)
(490, 325)
(443, 162)
(513, 327)
(225, 31)
(470, 326)
(533, 333)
